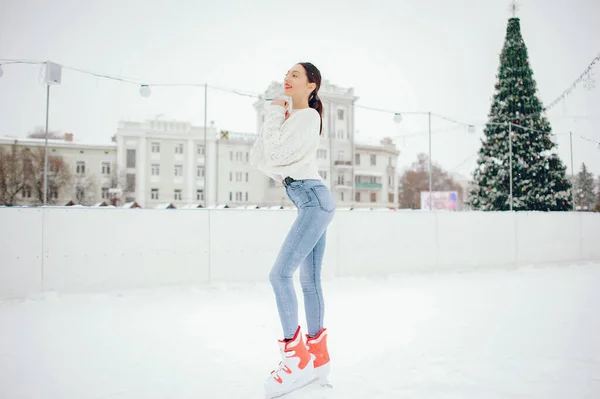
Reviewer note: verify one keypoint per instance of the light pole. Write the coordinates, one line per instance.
(398, 119)
(146, 92)
(46, 146)
(53, 76)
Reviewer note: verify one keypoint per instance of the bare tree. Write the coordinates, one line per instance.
(59, 176)
(40, 133)
(119, 188)
(85, 189)
(13, 174)
(416, 179)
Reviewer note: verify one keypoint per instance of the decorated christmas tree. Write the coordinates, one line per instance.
(538, 174)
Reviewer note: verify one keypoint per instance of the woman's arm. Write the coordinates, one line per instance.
(286, 144)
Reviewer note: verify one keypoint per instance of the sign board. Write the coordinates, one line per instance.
(440, 200)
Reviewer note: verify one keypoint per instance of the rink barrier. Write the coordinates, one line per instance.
(71, 249)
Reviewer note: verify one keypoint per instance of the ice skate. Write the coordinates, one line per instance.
(317, 346)
(294, 371)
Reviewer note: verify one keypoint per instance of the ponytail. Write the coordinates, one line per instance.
(315, 102)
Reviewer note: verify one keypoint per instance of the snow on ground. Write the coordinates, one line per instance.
(514, 333)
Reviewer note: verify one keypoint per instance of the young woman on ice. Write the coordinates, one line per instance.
(286, 151)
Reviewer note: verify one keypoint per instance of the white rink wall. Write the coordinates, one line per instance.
(69, 249)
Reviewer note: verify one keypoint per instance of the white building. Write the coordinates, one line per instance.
(370, 180)
(92, 168)
(165, 162)
(169, 162)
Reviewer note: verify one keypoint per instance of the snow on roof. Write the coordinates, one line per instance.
(191, 206)
(168, 205)
(131, 205)
(54, 142)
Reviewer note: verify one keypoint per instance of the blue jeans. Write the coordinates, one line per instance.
(303, 247)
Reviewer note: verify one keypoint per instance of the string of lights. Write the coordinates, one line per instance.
(397, 115)
(585, 74)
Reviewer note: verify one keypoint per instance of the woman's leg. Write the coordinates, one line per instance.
(306, 231)
(310, 279)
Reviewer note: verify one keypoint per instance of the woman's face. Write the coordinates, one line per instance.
(296, 82)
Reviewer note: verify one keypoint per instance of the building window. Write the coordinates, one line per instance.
(323, 174)
(179, 148)
(340, 180)
(390, 181)
(238, 176)
(239, 196)
(342, 196)
(373, 160)
(357, 159)
(154, 193)
(340, 134)
(106, 168)
(26, 192)
(357, 197)
(54, 193)
(131, 158)
(155, 170)
(199, 195)
(80, 193)
(247, 157)
(238, 156)
(231, 155)
(80, 168)
(200, 171)
(322, 154)
(230, 176)
(200, 149)
(156, 148)
(373, 197)
(177, 195)
(130, 182)
(247, 177)
(104, 192)
(340, 155)
(390, 161)
(246, 196)
(391, 197)
(340, 114)
(178, 170)
(230, 196)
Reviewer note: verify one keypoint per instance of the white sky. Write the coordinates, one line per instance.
(402, 55)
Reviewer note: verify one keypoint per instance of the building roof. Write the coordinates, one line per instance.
(9, 140)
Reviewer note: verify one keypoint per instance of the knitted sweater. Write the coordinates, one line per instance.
(288, 147)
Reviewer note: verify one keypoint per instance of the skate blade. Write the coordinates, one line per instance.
(293, 388)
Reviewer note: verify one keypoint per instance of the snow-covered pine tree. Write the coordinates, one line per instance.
(539, 181)
(584, 190)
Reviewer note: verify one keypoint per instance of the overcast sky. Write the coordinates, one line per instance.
(436, 55)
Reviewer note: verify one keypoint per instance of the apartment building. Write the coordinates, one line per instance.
(370, 184)
(165, 162)
(159, 162)
(92, 169)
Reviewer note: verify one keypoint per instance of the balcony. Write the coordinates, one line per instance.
(342, 185)
(343, 164)
(369, 185)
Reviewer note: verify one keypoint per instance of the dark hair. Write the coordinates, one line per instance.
(314, 76)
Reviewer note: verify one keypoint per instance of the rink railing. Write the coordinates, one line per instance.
(70, 249)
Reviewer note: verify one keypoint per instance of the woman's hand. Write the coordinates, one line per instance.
(284, 104)
(281, 102)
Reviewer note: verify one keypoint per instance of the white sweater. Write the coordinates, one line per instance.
(288, 147)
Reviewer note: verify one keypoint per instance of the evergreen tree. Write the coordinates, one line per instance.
(584, 189)
(598, 198)
(539, 181)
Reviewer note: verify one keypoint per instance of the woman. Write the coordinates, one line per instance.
(286, 151)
